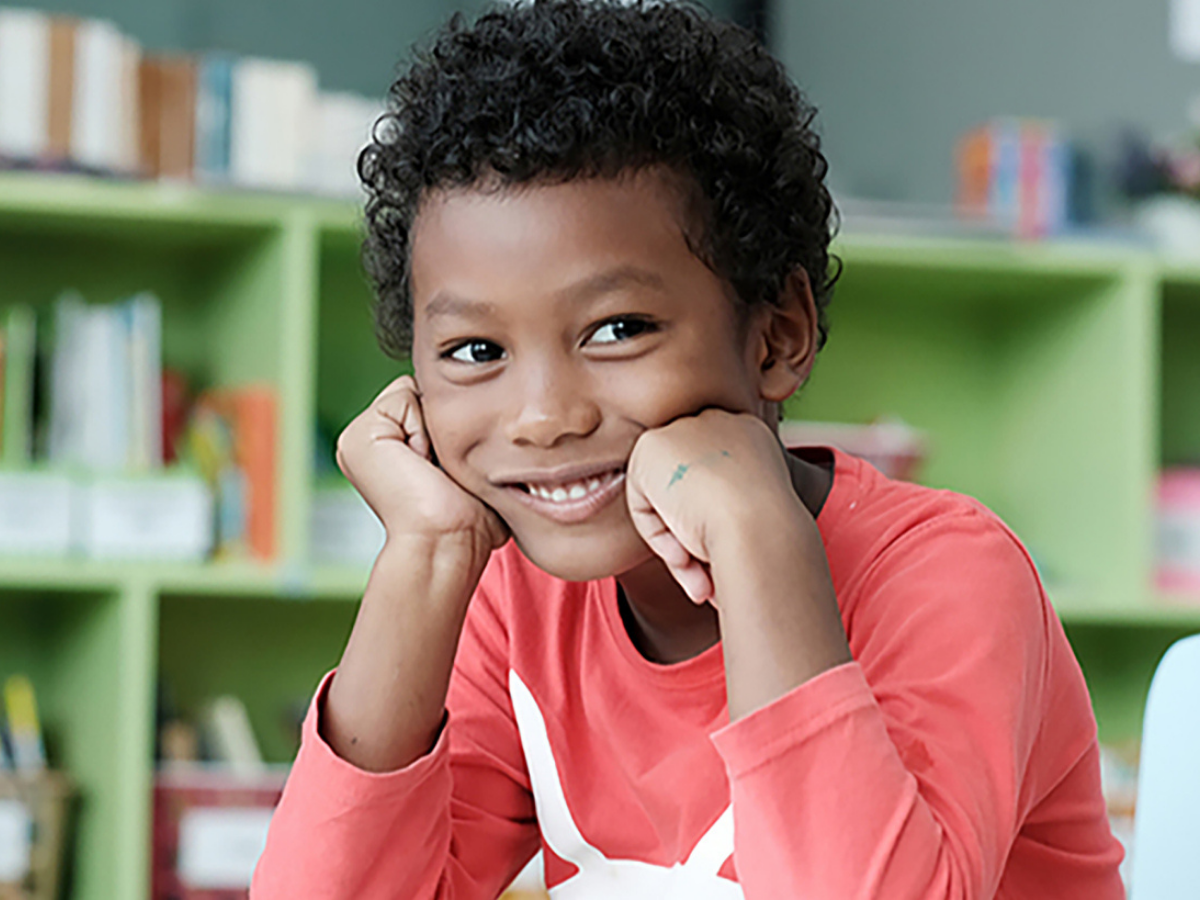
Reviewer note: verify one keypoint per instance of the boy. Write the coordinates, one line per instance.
(703, 666)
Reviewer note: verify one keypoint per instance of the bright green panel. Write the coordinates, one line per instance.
(1181, 373)
(241, 301)
(930, 366)
(1032, 386)
(77, 650)
(351, 368)
(1073, 453)
(269, 652)
(1118, 664)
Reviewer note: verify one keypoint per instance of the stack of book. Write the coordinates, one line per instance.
(1016, 173)
(84, 466)
(77, 93)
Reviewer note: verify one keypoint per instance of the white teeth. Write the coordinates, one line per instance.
(575, 491)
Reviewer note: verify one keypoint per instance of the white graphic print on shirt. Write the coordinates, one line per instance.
(601, 878)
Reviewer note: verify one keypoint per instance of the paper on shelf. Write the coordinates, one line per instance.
(218, 848)
(16, 840)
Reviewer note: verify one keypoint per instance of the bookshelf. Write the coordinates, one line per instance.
(1053, 380)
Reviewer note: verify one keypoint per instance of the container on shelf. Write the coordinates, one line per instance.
(35, 817)
(210, 827)
(894, 448)
(1177, 544)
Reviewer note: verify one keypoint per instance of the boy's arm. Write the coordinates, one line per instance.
(456, 821)
(909, 772)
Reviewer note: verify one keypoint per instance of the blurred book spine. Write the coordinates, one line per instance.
(1017, 174)
(232, 438)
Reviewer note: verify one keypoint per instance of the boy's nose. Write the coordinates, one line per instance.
(553, 404)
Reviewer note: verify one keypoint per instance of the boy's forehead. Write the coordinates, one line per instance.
(547, 236)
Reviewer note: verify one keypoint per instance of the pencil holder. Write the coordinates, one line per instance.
(35, 816)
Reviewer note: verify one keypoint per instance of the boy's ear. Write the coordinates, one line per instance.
(787, 339)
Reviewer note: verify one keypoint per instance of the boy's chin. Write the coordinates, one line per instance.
(585, 560)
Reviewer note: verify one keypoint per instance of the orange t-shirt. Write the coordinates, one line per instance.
(955, 757)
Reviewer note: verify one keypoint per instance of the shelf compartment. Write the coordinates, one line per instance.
(1031, 382)
(269, 652)
(87, 654)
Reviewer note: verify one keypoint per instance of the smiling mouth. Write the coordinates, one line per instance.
(572, 491)
(570, 502)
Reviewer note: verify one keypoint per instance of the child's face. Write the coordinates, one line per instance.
(552, 326)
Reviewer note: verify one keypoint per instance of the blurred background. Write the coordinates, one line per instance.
(185, 328)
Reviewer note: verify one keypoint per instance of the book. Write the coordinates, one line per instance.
(106, 387)
(20, 351)
(342, 126)
(24, 83)
(214, 86)
(143, 320)
(168, 120)
(270, 121)
(61, 87)
(229, 737)
(100, 113)
(24, 728)
(251, 414)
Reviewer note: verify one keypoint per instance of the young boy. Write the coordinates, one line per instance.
(703, 666)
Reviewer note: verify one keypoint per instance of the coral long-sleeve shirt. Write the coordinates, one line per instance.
(955, 757)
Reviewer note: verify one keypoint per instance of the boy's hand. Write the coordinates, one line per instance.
(698, 475)
(386, 454)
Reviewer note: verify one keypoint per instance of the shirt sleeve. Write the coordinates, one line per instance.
(905, 775)
(456, 824)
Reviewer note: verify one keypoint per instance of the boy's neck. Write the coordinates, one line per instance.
(667, 627)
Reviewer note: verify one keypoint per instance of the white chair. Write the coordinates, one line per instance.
(1166, 828)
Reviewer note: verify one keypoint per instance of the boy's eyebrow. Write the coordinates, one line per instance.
(447, 304)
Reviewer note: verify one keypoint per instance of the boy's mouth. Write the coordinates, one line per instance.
(570, 497)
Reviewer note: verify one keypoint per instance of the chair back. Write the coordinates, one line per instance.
(1166, 829)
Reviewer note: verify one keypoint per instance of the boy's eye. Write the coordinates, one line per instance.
(477, 352)
(622, 329)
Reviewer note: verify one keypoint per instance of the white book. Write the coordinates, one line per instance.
(342, 126)
(145, 361)
(24, 83)
(272, 107)
(96, 115)
(230, 737)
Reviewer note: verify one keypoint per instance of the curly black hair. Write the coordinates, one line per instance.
(553, 90)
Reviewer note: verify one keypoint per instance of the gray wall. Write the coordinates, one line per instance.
(896, 81)
(355, 44)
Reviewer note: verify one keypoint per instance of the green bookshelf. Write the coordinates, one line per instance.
(1053, 381)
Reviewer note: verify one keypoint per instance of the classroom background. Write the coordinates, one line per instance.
(185, 328)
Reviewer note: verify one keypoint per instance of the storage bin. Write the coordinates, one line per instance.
(35, 817)
(210, 827)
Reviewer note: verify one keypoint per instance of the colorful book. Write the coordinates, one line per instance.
(24, 728)
(214, 86)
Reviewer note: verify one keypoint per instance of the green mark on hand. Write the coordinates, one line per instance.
(682, 469)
